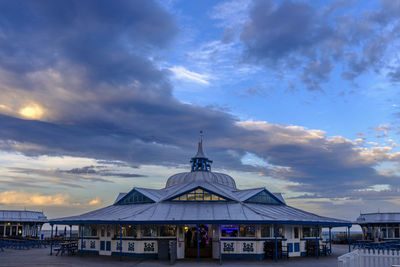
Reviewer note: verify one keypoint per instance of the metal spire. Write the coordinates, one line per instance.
(200, 162)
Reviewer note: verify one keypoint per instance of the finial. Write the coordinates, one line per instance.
(201, 136)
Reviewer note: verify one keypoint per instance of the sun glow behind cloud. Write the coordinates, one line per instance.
(31, 111)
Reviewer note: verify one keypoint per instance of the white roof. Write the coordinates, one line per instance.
(386, 217)
(22, 216)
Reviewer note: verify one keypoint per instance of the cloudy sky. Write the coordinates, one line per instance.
(302, 97)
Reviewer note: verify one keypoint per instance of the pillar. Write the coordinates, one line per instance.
(276, 241)
(82, 230)
(330, 239)
(70, 232)
(198, 243)
(348, 236)
(51, 240)
(120, 242)
(317, 241)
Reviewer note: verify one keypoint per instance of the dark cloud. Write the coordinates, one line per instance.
(293, 35)
(91, 170)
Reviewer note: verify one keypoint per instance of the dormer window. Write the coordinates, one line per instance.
(199, 195)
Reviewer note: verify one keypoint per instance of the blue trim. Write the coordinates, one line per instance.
(257, 256)
(194, 189)
(303, 254)
(145, 238)
(88, 252)
(254, 239)
(136, 255)
(176, 222)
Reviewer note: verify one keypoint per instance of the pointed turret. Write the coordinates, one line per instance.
(200, 162)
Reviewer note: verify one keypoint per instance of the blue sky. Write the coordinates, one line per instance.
(298, 96)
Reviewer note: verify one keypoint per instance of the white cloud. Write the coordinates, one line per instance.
(182, 73)
(23, 198)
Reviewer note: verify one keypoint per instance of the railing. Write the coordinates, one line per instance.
(370, 258)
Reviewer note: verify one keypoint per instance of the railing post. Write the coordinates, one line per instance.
(51, 240)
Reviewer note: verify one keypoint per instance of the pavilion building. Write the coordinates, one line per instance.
(380, 226)
(21, 223)
(204, 213)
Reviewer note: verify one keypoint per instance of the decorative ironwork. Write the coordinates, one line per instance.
(229, 247)
(92, 244)
(148, 246)
(131, 246)
(83, 244)
(248, 247)
(118, 245)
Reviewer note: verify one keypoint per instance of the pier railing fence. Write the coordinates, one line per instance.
(370, 258)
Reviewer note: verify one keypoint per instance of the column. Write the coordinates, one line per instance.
(317, 241)
(198, 243)
(82, 231)
(120, 242)
(330, 239)
(348, 236)
(276, 241)
(51, 240)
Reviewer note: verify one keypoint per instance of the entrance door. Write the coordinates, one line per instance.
(198, 238)
(293, 241)
(105, 240)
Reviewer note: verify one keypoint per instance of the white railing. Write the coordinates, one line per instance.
(370, 258)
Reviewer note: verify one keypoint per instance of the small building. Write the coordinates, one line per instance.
(21, 223)
(204, 214)
(380, 226)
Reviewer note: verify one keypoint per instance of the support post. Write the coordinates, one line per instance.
(198, 243)
(317, 241)
(120, 242)
(35, 230)
(276, 242)
(51, 241)
(348, 237)
(70, 232)
(82, 230)
(330, 239)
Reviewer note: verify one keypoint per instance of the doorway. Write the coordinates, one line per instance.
(105, 240)
(198, 239)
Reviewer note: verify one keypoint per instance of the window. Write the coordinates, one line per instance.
(247, 231)
(296, 232)
(309, 232)
(263, 197)
(149, 230)
(266, 231)
(229, 230)
(168, 230)
(199, 195)
(90, 230)
(135, 197)
(131, 230)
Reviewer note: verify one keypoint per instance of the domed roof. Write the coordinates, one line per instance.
(201, 176)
